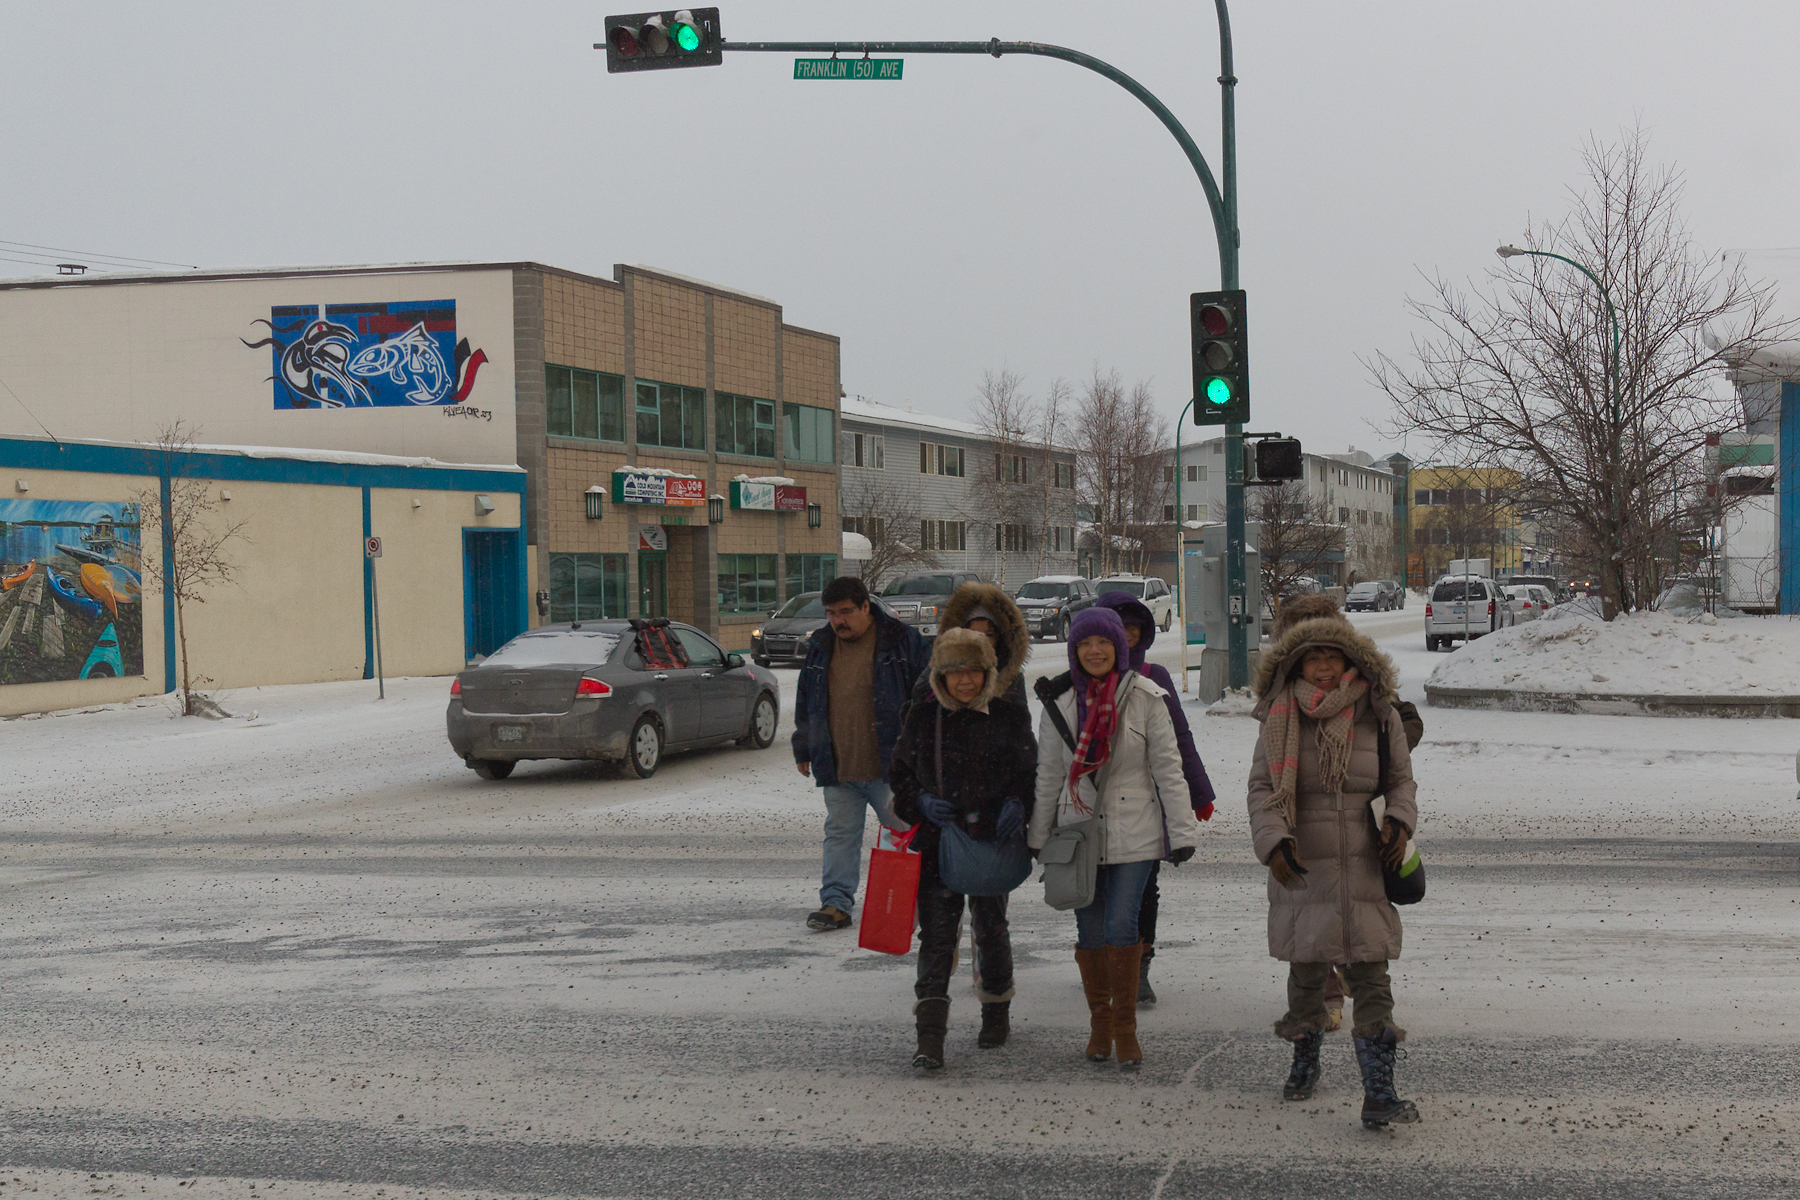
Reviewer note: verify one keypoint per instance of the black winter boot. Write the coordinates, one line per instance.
(1304, 1075)
(994, 1026)
(1381, 1106)
(1146, 993)
(933, 1017)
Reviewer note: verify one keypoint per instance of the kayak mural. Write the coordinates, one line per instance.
(71, 591)
(397, 354)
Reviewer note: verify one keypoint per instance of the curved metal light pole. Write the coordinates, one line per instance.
(1618, 546)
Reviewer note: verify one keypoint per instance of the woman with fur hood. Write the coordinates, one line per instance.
(965, 756)
(987, 610)
(1327, 702)
(1119, 761)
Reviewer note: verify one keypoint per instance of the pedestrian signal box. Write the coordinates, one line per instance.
(1279, 460)
(1221, 358)
(653, 41)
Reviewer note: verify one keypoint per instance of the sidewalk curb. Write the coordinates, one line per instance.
(1618, 704)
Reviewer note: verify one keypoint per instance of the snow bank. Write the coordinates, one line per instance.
(1653, 654)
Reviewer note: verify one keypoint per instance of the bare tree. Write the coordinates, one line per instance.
(193, 542)
(888, 514)
(1050, 427)
(1122, 467)
(1005, 415)
(1372, 552)
(1297, 539)
(1523, 376)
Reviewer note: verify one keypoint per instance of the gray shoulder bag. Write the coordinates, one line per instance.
(1071, 857)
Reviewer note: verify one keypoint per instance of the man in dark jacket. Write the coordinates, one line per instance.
(967, 756)
(858, 675)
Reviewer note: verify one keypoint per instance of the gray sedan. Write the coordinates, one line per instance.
(616, 690)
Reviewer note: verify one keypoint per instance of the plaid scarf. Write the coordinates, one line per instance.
(1095, 744)
(1335, 712)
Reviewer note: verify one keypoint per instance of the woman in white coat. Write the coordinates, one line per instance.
(1125, 769)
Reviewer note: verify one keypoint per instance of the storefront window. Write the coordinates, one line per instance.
(808, 434)
(587, 587)
(746, 583)
(744, 425)
(584, 404)
(809, 572)
(671, 415)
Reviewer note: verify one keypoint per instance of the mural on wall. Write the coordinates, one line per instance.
(71, 604)
(398, 354)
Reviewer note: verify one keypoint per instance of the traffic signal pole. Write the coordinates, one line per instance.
(1221, 201)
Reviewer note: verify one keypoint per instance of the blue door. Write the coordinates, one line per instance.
(492, 611)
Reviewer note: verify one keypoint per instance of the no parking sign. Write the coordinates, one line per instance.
(371, 547)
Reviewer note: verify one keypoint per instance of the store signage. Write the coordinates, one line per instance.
(642, 487)
(848, 68)
(652, 537)
(768, 497)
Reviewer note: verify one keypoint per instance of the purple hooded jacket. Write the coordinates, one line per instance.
(1133, 611)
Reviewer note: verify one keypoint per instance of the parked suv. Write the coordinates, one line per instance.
(1376, 595)
(915, 599)
(1465, 607)
(1049, 602)
(1152, 591)
(1529, 600)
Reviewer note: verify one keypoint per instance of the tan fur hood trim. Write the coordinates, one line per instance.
(1304, 608)
(1282, 659)
(971, 596)
(961, 650)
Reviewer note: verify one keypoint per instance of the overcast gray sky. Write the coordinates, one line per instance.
(979, 213)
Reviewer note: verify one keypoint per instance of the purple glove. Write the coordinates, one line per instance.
(937, 810)
(1011, 822)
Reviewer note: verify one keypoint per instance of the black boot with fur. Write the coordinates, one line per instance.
(933, 1017)
(994, 1024)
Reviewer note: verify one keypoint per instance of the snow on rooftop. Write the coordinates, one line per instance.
(888, 414)
(778, 480)
(298, 454)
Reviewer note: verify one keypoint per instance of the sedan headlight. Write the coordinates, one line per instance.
(757, 632)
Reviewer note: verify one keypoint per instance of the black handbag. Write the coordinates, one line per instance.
(970, 866)
(1404, 884)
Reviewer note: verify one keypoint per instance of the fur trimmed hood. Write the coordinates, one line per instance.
(1304, 608)
(1015, 641)
(962, 650)
(1281, 660)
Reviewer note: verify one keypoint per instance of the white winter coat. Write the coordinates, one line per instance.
(1145, 798)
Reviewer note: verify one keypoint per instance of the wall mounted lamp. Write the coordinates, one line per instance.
(596, 498)
(815, 516)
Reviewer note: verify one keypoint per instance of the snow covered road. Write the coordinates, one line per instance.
(311, 951)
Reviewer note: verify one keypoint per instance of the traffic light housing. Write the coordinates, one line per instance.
(1278, 459)
(1221, 358)
(655, 41)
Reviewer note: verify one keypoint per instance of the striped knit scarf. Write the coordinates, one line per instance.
(1095, 744)
(1335, 712)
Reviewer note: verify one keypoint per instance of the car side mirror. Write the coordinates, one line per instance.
(734, 660)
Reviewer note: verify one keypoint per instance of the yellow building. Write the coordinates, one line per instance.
(1464, 512)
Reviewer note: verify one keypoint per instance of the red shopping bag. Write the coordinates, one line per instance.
(887, 915)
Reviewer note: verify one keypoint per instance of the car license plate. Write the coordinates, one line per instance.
(1457, 610)
(509, 733)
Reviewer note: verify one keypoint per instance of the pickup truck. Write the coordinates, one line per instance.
(915, 599)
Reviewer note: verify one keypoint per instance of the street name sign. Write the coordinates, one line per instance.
(848, 68)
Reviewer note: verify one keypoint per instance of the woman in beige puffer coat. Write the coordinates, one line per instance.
(1325, 696)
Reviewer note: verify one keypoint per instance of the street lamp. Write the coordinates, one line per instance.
(1618, 551)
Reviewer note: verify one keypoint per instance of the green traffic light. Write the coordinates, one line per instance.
(687, 37)
(1218, 391)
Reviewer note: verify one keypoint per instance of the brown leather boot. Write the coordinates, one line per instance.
(1122, 970)
(1098, 986)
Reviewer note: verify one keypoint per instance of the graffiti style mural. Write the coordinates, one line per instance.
(399, 354)
(71, 592)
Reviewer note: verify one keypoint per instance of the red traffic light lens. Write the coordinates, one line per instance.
(1215, 320)
(624, 43)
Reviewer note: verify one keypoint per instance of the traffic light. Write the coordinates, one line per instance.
(1279, 459)
(652, 41)
(1221, 359)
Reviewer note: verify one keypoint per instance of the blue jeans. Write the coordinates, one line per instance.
(1112, 919)
(846, 806)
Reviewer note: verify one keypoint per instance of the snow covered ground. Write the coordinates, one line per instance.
(1653, 653)
(308, 947)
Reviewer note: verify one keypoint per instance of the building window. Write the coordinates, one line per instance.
(807, 433)
(1193, 473)
(869, 527)
(940, 460)
(1169, 513)
(1062, 537)
(1169, 473)
(1013, 468)
(809, 572)
(746, 583)
(865, 450)
(1012, 539)
(671, 416)
(587, 587)
(1343, 516)
(1065, 475)
(744, 425)
(943, 535)
(1362, 516)
(1193, 512)
(584, 404)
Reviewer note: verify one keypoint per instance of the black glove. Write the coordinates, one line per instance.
(1011, 821)
(1182, 855)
